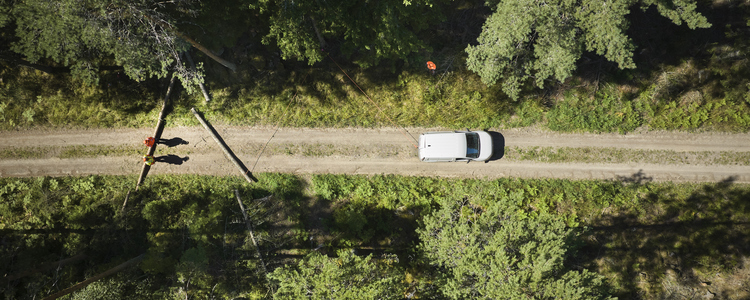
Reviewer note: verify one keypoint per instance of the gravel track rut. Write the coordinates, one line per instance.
(206, 158)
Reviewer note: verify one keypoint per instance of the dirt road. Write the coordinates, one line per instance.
(364, 151)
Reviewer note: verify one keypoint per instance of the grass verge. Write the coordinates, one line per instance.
(78, 151)
(620, 155)
(512, 153)
(323, 97)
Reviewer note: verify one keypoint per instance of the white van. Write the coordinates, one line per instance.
(455, 146)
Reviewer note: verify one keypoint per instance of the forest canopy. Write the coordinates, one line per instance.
(431, 238)
(543, 40)
(521, 40)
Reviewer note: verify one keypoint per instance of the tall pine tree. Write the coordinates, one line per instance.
(374, 30)
(497, 252)
(347, 276)
(86, 34)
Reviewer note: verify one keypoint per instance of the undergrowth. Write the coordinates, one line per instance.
(682, 97)
(623, 155)
(633, 231)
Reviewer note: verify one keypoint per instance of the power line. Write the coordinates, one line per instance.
(403, 130)
(283, 117)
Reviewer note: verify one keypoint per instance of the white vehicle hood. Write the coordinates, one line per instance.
(485, 147)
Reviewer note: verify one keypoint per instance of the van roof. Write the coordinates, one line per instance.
(442, 144)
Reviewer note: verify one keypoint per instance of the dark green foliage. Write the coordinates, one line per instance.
(124, 285)
(182, 223)
(604, 113)
(85, 35)
(373, 30)
(388, 191)
(548, 43)
(106, 289)
(703, 226)
(419, 193)
(377, 208)
(196, 246)
(495, 252)
(4, 16)
(40, 203)
(347, 276)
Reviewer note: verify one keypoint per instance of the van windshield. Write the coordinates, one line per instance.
(472, 145)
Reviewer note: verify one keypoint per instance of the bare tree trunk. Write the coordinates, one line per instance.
(201, 85)
(124, 203)
(195, 44)
(157, 133)
(250, 230)
(99, 276)
(227, 152)
(205, 50)
(23, 63)
(47, 266)
(317, 33)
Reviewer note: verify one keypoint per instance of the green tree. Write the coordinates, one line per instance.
(498, 252)
(376, 30)
(83, 35)
(542, 40)
(347, 276)
(109, 289)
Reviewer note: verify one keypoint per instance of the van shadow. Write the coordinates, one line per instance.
(498, 145)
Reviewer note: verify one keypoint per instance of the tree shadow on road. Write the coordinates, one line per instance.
(669, 244)
(639, 178)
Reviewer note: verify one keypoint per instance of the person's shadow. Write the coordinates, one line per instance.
(172, 142)
(171, 159)
(498, 146)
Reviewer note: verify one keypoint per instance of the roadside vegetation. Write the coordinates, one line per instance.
(671, 65)
(620, 155)
(63, 152)
(321, 96)
(648, 240)
(700, 85)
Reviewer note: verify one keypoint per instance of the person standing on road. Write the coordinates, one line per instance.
(431, 66)
(148, 159)
(150, 142)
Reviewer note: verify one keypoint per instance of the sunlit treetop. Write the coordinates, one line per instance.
(542, 40)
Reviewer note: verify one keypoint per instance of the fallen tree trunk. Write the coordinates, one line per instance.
(125, 203)
(227, 152)
(205, 50)
(317, 33)
(157, 133)
(250, 230)
(47, 266)
(195, 44)
(86, 282)
(14, 59)
(200, 84)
